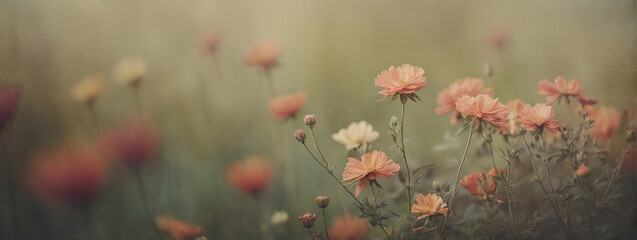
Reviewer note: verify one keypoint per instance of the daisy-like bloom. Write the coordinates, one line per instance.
(405, 79)
(177, 228)
(251, 176)
(582, 171)
(134, 143)
(373, 165)
(130, 70)
(467, 86)
(483, 107)
(429, 205)
(279, 217)
(606, 122)
(514, 107)
(87, 90)
(210, 43)
(9, 99)
(356, 134)
(348, 227)
(479, 184)
(263, 54)
(561, 88)
(73, 175)
(286, 106)
(539, 116)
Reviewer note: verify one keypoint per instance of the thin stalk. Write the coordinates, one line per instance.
(91, 107)
(142, 194)
(325, 223)
(402, 149)
(317, 147)
(138, 101)
(455, 188)
(269, 81)
(507, 190)
(12, 201)
(215, 62)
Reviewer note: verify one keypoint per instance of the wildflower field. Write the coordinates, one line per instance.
(330, 120)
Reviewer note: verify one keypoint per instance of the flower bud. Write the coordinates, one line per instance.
(299, 135)
(322, 201)
(630, 136)
(582, 171)
(310, 120)
(393, 122)
(488, 70)
(307, 220)
(436, 186)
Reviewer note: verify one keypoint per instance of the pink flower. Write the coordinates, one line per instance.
(479, 184)
(134, 143)
(429, 205)
(538, 116)
(250, 176)
(349, 228)
(73, 175)
(210, 43)
(467, 86)
(499, 38)
(586, 100)
(178, 229)
(606, 122)
(307, 220)
(286, 106)
(373, 165)
(483, 107)
(561, 88)
(300, 136)
(263, 54)
(400, 80)
(582, 171)
(310, 120)
(9, 99)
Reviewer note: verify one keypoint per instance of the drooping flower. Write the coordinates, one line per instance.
(88, 89)
(539, 116)
(514, 107)
(348, 227)
(561, 88)
(606, 122)
(286, 106)
(72, 175)
(130, 70)
(356, 135)
(263, 54)
(178, 229)
(582, 171)
(483, 107)
(479, 184)
(279, 217)
(210, 43)
(373, 165)
(134, 143)
(467, 86)
(307, 220)
(9, 99)
(251, 176)
(405, 79)
(429, 205)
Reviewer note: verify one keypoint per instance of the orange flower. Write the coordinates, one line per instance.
(606, 122)
(251, 176)
(134, 143)
(177, 228)
(561, 88)
(405, 79)
(467, 86)
(373, 165)
(71, 174)
(539, 116)
(582, 171)
(429, 205)
(479, 184)
(499, 172)
(9, 99)
(286, 106)
(263, 54)
(349, 227)
(483, 107)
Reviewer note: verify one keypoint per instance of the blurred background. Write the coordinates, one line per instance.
(333, 50)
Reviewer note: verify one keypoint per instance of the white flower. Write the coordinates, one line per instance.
(356, 134)
(130, 70)
(88, 88)
(279, 217)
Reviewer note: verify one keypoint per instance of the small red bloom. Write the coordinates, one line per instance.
(134, 143)
(177, 228)
(250, 176)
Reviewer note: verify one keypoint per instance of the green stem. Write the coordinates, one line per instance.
(325, 223)
(269, 82)
(402, 149)
(12, 201)
(317, 147)
(142, 194)
(91, 107)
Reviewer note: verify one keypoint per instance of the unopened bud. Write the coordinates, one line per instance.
(322, 201)
(436, 186)
(310, 120)
(488, 70)
(582, 171)
(307, 220)
(603, 155)
(299, 135)
(630, 136)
